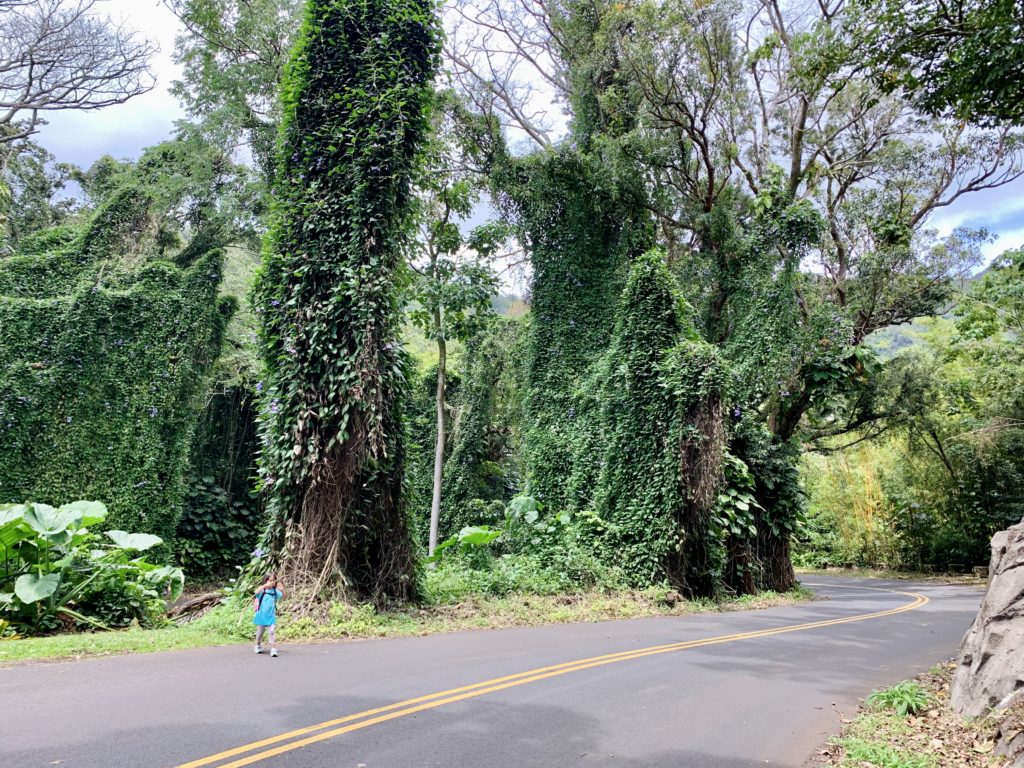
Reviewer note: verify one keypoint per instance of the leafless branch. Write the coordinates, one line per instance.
(59, 55)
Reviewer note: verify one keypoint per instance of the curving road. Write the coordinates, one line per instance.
(730, 690)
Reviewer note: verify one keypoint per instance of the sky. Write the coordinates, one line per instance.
(124, 130)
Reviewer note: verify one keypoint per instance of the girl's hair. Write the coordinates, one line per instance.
(272, 576)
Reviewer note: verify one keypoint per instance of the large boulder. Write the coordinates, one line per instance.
(990, 665)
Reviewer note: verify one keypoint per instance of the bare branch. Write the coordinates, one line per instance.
(59, 55)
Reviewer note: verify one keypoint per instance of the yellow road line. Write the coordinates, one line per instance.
(442, 698)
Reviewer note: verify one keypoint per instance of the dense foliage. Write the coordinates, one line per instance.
(56, 574)
(582, 226)
(355, 114)
(103, 355)
(664, 434)
(947, 472)
(959, 56)
(734, 202)
(484, 470)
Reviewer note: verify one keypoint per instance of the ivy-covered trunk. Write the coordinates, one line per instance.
(355, 103)
(662, 422)
(582, 227)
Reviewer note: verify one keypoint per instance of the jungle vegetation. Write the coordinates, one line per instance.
(288, 336)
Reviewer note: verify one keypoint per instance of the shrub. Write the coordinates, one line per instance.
(907, 698)
(216, 533)
(57, 574)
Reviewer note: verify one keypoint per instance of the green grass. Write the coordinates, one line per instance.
(884, 573)
(457, 610)
(872, 739)
(221, 626)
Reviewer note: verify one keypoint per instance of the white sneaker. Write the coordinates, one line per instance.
(273, 651)
(257, 649)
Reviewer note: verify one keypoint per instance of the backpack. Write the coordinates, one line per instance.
(259, 598)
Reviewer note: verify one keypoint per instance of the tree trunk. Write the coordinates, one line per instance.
(435, 503)
(777, 565)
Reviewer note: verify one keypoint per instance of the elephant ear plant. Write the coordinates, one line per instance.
(57, 573)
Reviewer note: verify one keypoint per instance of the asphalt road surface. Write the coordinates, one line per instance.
(732, 690)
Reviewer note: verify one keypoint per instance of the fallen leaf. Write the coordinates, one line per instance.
(983, 747)
(935, 744)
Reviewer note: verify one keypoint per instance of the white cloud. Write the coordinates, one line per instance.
(988, 208)
(1008, 239)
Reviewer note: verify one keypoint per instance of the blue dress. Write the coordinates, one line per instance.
(267, 614)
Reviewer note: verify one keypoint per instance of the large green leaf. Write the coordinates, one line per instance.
(6, 598)
(88, 512)
(11, 512)
(136, 541)
(31, 587)
(477, 535)
(50, 522)
(12, 526)
(173, 578)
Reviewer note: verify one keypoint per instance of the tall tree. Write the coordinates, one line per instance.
(232, 55)
(452, 288)
(355, 115)
(739, 113)
(60, 54)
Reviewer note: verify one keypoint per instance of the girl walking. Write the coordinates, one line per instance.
(265, 605)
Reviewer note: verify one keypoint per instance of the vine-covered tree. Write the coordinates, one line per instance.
(735, 111)
(355, 114)
(663, 424)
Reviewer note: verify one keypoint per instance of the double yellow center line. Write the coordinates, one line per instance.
(292, 740)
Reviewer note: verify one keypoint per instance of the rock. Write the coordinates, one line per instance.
(990, 662)
(1010, 733)
(671, 597)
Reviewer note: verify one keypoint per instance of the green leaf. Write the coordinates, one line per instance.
(50, 522)
(88, 512)
(137, 541)
(477, 536)
(31, 587)
(12, 525)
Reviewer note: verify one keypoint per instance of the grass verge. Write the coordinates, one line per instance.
(912, 726)
(882, 573)
(228, 624)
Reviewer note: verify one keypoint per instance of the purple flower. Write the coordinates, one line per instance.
(275, 303)
(153, 412)
(257, 553)
(259, 386)
(275, 406)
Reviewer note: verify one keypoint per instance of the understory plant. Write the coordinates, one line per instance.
(57, 573)
(906, 698)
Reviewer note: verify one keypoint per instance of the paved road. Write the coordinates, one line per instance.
(718, 691)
